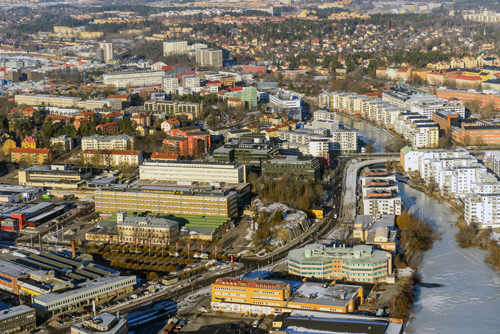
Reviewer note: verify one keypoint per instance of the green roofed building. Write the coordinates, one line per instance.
(357, 264)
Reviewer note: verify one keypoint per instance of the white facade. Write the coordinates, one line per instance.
(209, 57)
(482, 209)
(191, 172)
(324, 101)
(169, 84)
(101, 142)
(427, 105)
(124, 79)
(325, 115)
(390, 205)
(457, 181)
(190, 81)
(330, 125)
(175, 47)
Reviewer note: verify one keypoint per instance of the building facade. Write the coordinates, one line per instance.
(31, 155)
(188, 171)
(102, 142)
(356, 264)
(166, 201)
(112, 157)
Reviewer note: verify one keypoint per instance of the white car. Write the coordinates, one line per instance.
(335, 216)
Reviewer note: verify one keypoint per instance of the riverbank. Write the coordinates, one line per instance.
(455, 281)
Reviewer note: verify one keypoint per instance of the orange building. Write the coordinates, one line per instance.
(473, 134)
(467, 96)
(31, 155)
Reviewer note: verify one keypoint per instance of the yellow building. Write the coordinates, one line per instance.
(29, 142)
(7, 143)
(165, 200)
(31, 155)
(258, 296)
(317, 212)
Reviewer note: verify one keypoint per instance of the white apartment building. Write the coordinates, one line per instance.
(286, 103)
(324, 101)
(142, 78)
(427, 105)
(190, 81)
(209, 57)
(100, 142)
(207, 172)
(456, 182)
(340, 140)
(113, 157)
(318, 148)
(329, 125)
(424, 135)
(483, 209)
(495, 162)
(412, 157)
(169, 84)
(481, 187)
(175, 47)
(320, 115)
(432, 167)
(382, 204)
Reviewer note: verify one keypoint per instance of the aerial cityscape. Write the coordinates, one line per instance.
(249, 167)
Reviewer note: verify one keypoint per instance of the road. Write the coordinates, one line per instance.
(349, 204)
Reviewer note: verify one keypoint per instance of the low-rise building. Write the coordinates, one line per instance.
(355, 264)
(101, 142)
(104, 323)
(112, 157)
(29, 142)
(299, 167)
(31, 155)
(49, 304)
(273, 296)
(64, 142)
(146, 230)
(376, 230)
(10, 273)
(17, 319)
(191, 171)
(109, 128)
(175, 108)
(57, 176)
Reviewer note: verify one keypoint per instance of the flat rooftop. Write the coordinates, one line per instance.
(14, 270)
(315, 294)
(15, 311)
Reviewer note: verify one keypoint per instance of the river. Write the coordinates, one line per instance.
(460, 293)
(366, 131)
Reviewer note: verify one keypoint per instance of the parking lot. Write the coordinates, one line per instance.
(234, 322)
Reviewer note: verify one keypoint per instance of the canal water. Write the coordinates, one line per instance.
(460, 293)
(366, 131)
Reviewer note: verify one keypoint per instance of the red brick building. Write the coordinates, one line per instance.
(470, 134)
(187, 141)
(28, 112)
(444, 120)
(9, 274)
(110, 128)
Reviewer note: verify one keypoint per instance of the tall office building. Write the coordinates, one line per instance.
(209, 57)
(99, 55)
(174, 47)
(108, 51)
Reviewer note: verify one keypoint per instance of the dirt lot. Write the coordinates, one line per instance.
(227, 321)
(384, 292)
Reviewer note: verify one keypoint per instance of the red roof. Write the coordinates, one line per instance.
(30, 150)
(232, 99)
(403, 70)
(113, 114)
(164, 156)
(113, 152)
(105, 125)
(172, 121)
(30, 139)
(116, 96)
(467, 78)
(375, 94)
(86, 113)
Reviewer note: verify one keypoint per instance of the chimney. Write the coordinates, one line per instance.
(389, 265)
(73, 246)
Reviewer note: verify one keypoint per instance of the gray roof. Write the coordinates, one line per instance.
(14, 311)
(13, 269)
(356, 254)
(108, 138)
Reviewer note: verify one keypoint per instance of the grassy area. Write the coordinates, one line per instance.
(183, 220)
